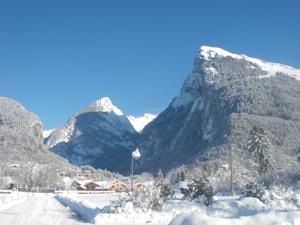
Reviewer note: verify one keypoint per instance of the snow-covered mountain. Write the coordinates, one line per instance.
(141, 121)
(271, 69)
(46, 133)
(21, 140)
(21, 130)
(220, 100)
(99, 135)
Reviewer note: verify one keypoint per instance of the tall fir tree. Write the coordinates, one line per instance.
(259, 147)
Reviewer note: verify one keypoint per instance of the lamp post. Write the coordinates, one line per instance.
(135, 155)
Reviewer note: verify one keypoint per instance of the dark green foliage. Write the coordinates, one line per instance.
(165, 190)
(254, 190)
(259, 146)
(181, 174)
(185, 192)
(199, 187)
(162, 185)
(208, 194)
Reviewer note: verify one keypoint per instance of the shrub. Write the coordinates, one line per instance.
(254, 190)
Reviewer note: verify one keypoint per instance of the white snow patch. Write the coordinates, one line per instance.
(212, 70)
(140, 122)
(46, 133)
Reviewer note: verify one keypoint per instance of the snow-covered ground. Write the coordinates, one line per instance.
(9, 199)
(239, 210)
(100, 200)
(282, 209)
(38, 209)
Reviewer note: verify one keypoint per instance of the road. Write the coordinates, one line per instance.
(39, 209)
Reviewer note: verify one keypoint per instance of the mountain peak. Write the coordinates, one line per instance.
(210, 53)
(102, 105)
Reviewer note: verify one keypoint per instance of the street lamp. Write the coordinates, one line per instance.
(135, 155)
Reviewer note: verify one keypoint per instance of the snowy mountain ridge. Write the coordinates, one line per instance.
(210, 53)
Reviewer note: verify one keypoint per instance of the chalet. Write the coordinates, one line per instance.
(138, 185)
(79, 185)
(118, 186)
(90, 185)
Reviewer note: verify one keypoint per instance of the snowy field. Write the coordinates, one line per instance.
(284, 209)
(240, 211)
(105, 209)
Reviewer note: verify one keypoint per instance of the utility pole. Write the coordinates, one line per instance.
(231, 169)
(131, 175)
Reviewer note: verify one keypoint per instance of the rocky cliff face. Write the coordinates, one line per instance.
(223, 97)
(99, 135)
(20, 131)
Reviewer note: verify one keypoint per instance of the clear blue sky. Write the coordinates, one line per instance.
(58, 56)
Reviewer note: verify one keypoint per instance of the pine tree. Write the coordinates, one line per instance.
(258, 147)
(181, 174)
(162, 186)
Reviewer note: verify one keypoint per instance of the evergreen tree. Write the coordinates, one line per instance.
(258, 147)
(181, 174)
(162, 185)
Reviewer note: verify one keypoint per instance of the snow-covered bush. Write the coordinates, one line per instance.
(147, 197)
(282, 179)
(152, 195)
(194, 190)
(177, 175)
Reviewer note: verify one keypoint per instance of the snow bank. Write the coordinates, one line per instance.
(266, 218)
(238, 211)
(134, 218)
(113, 213)
(83, 208)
